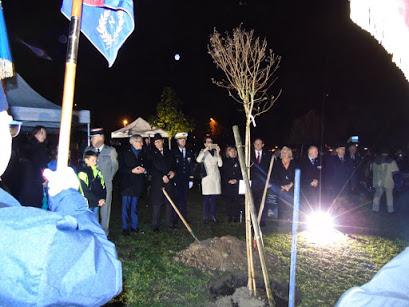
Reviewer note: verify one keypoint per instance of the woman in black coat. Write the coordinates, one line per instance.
(33, 160)
(283, 178)
(132, 173)
(231, 176)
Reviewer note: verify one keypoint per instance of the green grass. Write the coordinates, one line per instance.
(153, 278)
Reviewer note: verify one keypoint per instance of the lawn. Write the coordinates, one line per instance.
(153, 278)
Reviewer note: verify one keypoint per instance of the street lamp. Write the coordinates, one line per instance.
(213, 126)
(125, 122)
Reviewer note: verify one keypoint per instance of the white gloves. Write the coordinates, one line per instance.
(190, 184)
(60, 180)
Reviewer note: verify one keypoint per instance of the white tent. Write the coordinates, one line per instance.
(29, 107)
(138, 126)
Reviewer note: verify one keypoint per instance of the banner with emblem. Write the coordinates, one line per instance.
(106, 23)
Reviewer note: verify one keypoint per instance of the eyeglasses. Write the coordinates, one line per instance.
(15, 127)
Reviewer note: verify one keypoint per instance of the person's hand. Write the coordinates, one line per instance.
(287, 187)
(101, 202)
(138, 170)
(232, 181)
(217, 149)
(62, 179)
(207, 148)
(165, 179)
(171, 174)
(190, 184)
(314, 183)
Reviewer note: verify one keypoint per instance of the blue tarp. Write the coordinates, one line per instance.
(61, 257)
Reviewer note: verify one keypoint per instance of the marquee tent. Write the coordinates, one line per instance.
(138, 126)
(29, 107)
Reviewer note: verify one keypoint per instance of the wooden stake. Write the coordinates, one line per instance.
(69, 84)
(249, 235)
(263, 199)
(256, 225)
(180, 215)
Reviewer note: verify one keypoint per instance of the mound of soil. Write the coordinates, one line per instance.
(217, 254)
(225, 258)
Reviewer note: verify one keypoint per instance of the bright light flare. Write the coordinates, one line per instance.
(321, 228)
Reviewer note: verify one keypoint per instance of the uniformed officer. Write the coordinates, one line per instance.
(185, 163)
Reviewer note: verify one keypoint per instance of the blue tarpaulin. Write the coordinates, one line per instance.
(55, 258)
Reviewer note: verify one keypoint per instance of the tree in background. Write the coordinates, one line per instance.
(169, 115)
(249, 69)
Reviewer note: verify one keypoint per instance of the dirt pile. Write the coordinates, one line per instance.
(225, 258)
(221, 254)
(217, 254)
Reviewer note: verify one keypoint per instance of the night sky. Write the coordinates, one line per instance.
(322, 51)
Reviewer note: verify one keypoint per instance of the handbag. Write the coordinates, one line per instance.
(203, 172)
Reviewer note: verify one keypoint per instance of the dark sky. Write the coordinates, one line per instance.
(322, 52)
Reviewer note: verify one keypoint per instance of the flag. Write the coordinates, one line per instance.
(41, 53)
(6, 62)
(106, 23)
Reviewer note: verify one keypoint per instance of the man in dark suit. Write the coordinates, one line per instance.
(185, 162)
(310, 177)
(260, 162)
(132, 170)
(355, 160)
(163, 171)
(339, 170)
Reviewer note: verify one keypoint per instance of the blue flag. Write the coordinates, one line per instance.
(106, 23)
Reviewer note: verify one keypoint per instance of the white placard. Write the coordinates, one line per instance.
(242, 187)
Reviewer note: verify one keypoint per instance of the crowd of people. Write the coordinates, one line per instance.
(147, 166)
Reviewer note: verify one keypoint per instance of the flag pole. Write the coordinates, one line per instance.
(69, 84)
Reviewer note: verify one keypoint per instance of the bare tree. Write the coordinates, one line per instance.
(249, 68)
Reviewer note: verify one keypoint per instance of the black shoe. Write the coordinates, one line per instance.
(156, 229)
(126, 232)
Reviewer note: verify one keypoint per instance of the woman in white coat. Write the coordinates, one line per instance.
(211, 181)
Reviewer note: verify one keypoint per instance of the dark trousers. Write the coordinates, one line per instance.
(181, 192)
(161, 201)
(234, 205)
(129, 212)
(209, 206)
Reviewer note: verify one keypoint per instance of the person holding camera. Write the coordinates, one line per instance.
(211, 160)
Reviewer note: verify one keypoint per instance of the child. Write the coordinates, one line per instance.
(92, 183)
